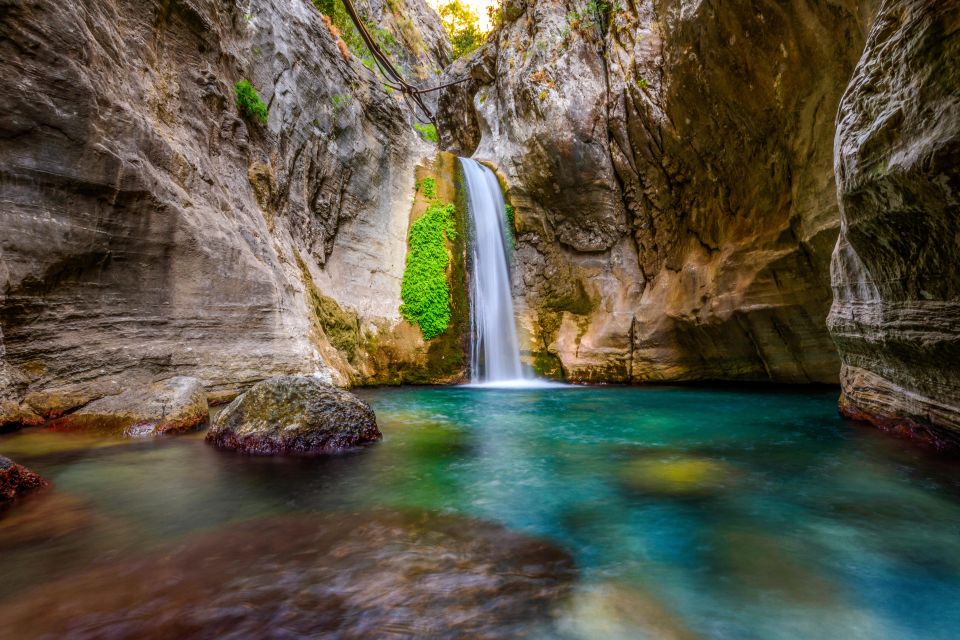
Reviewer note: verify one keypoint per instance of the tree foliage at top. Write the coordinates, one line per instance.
(463, 27)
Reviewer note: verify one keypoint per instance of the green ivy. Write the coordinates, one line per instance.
(428, 186)
(424, 291)
(249, 102)
(428, 132)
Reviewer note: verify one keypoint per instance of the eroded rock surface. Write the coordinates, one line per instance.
(896, 267)
(149, 230)
(170, 406)
(294, 415)
(671, 166)
(364, 575)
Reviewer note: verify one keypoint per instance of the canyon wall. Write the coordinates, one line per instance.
(896, 268)
(150, 230)
(671, 165)
(672, 170)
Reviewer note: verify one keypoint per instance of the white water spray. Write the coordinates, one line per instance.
(494, 350)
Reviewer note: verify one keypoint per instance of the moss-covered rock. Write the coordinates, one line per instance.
(294, 415)
(341, 327)
(399, 354)
(678, 476)
(425, 290)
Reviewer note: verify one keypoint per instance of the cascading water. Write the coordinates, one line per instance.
(495, 352)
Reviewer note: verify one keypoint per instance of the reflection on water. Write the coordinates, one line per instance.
(689, 513)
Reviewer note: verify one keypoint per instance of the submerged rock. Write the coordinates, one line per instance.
(682, 477)
(764, 566)
(50, 516)
(618, 611)
(367, 575)
(16, 480)
(294, 415)
(169, 406)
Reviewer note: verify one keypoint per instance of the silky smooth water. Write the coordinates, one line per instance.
(495, 352)
(691, 513)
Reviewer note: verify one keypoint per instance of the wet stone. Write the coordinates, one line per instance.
(349, 576)
(678, 476)
(16, 481)
(294, 415)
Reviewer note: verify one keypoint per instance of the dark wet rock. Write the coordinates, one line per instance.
(16, 481)
(359, 576)
(168, 406)
(294, 415)
(896, 267)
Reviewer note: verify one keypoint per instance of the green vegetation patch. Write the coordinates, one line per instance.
(249, 102)
(597, 15)
(425, 293)
(428, 187)
(511, 225)
(345, 30)
(428, 132)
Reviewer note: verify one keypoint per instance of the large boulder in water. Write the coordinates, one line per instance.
(167, 406)
(16, 480)
(347, 576)
(294, 415)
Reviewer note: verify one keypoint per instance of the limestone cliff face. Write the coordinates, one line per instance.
(671, 166)
(149, 230)
(896, 268)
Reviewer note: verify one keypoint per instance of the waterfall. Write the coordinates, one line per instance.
(494, 350)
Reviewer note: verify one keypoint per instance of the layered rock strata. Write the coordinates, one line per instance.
(671, 168)
(896, 267)
(166, 407)
(151, 230)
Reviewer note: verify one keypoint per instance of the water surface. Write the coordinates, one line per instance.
(690, 513)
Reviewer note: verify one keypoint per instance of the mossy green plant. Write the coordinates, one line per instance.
(428, 132)
(339, 102)
(511, 225)
(346, 30)
(341, 327)
(249, 102)
(428, 187)
(424, 290)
